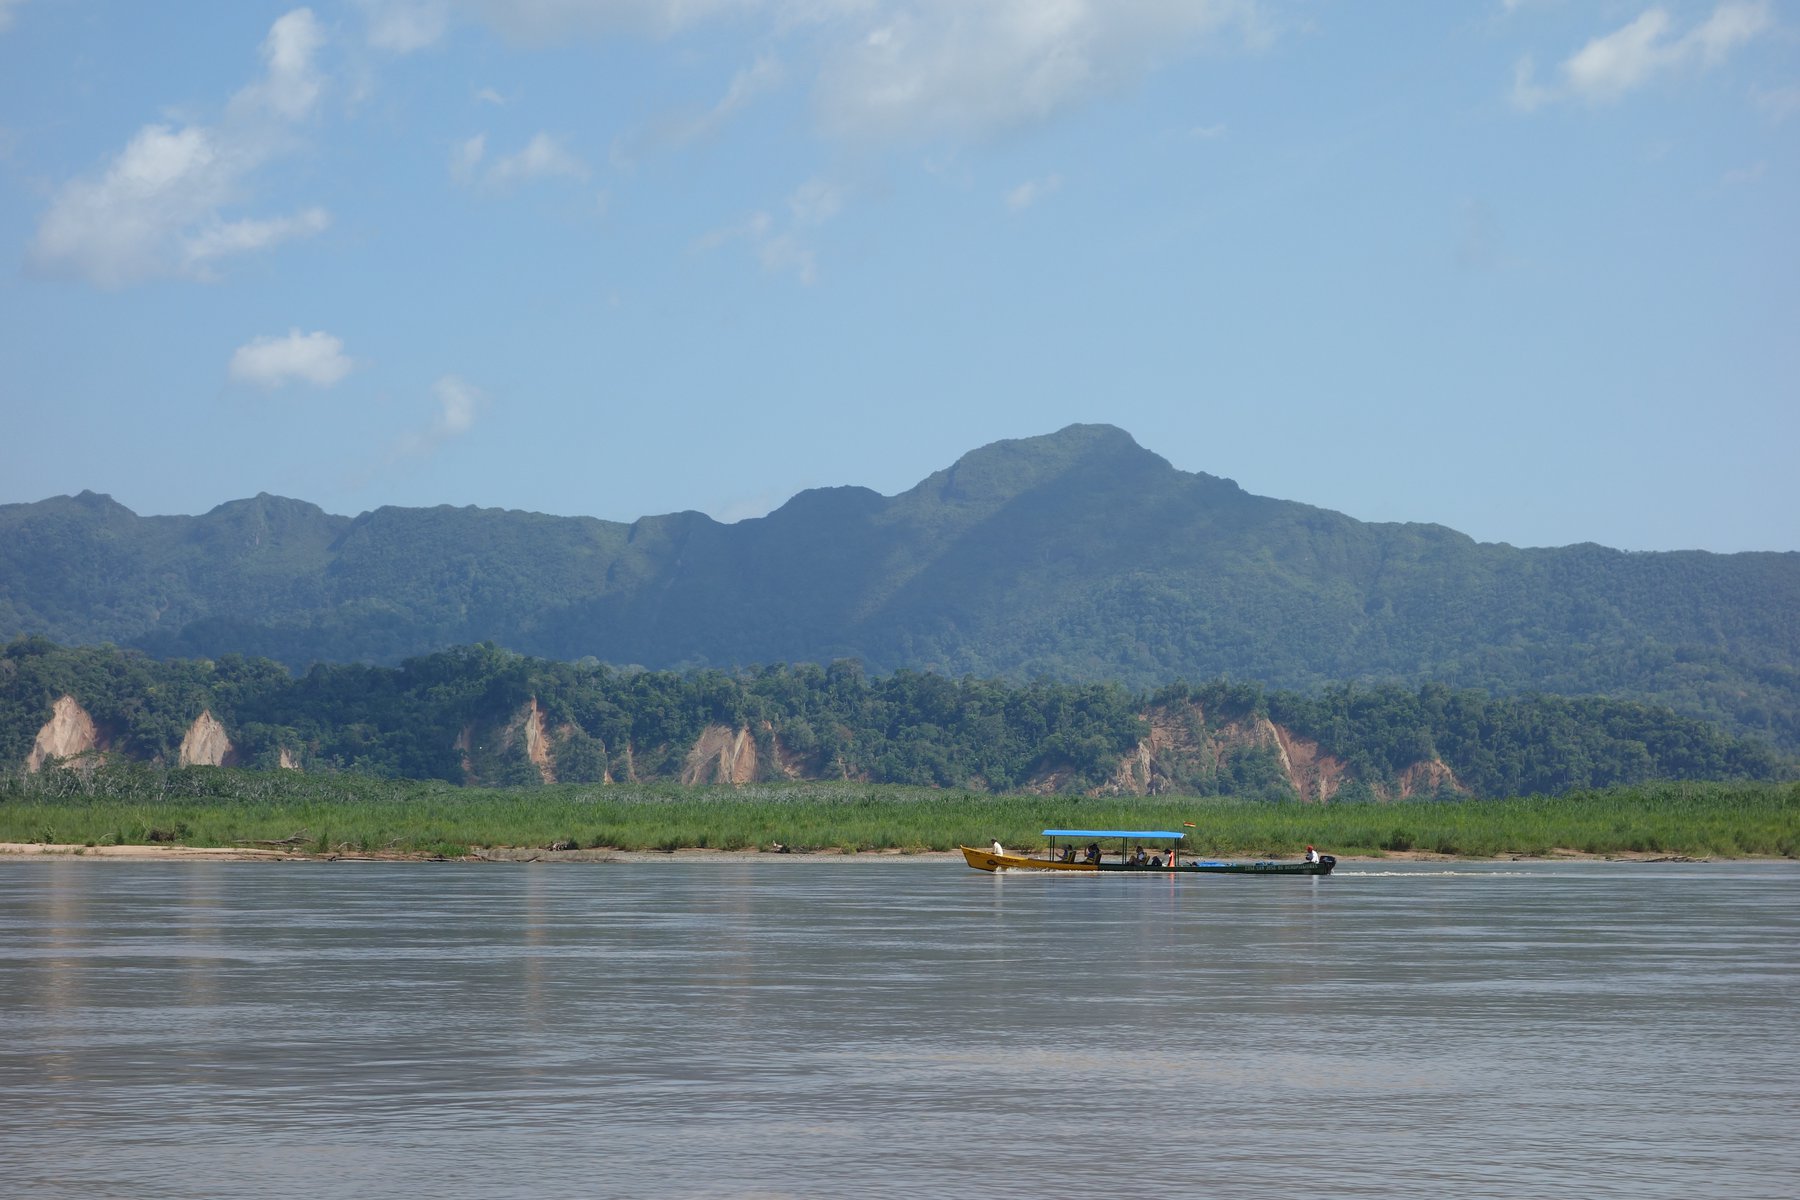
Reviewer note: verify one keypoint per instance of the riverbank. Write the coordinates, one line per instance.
(23, 851)
(26, 851)
(255, 816)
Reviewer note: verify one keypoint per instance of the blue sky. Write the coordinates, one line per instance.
(1526, 268)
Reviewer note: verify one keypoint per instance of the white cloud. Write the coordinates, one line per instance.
(467, 156)
(8, 9)
(764, 75)
(784, 254)
(291, 83)
(887, 70)
(1628, 58)
(404, 26)
(1730, 26)
(952, 68)
(488, 95)
(815, 202)
(756, 225)
(544, 20)
(1031, 191)
(124, 226)
(270, 362)
(781, 250)
(458, 402)
(240, 237)
(760, 76)
(158, 206)
(544, 157)
(1610, 66)
(893, 69)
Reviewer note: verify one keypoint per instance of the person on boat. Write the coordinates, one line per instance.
(999, 850)
(1093, 853)
(1312, 856)
(1137, 858)
(1068, 854)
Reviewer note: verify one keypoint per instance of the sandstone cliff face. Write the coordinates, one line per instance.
(1429, 778)
(1176, 735)
(205, 744)
(485, 748)
(1181, 753)
(726, 755)
(1314, 774)
(1182, 749)
(786, 764)
(530, 724)
(721, 755)
(69, 733)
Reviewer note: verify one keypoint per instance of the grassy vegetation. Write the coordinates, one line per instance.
(211, 807)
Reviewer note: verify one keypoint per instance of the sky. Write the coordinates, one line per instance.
(1526, 268)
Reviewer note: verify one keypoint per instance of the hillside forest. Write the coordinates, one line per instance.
(482, 715)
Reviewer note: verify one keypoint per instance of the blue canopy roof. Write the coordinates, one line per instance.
(1113, 833)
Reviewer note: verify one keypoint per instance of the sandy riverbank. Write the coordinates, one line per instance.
(22, 851)
(16, 851)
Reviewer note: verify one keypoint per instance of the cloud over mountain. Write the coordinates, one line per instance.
(160, 207)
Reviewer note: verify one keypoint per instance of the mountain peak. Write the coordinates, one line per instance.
(1004, 469)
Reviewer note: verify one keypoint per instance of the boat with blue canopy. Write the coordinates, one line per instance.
(1064, 853)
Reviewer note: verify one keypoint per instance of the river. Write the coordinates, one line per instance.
(897, 1028)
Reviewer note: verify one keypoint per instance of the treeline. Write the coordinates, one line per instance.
(451, 715)
(405, 722)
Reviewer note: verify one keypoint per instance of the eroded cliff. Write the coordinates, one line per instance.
(206, 744)
(1182, 753)
(69, 733)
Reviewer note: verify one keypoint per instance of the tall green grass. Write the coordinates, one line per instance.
(211, 807)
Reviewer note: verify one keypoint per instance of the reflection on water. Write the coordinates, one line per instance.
(896, 1028)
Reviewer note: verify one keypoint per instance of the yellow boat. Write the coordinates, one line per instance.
(1093, 858)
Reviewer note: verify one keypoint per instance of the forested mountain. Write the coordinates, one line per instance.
(1077, 556)
(480, 714)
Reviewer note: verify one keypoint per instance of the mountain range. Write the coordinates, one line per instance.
(1078, 555)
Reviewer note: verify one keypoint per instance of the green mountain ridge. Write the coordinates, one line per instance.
(1078, 555)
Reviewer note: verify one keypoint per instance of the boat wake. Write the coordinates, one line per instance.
(1341, 873)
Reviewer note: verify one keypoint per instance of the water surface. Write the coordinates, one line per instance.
(896, 1028)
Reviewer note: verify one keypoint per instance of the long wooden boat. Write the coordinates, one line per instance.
(1093, 858)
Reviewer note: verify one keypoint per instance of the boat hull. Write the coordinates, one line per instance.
(986, 860)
